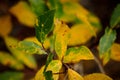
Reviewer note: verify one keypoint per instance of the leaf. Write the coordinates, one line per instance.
(74, 55)
(54, 66)
(8, 60)
(56, 4)
(74, 7)
(39, 75)
(30, 47)
(115, 52)
(79, 34)
(115, 18)
(27, 59)
(38, 6)
(78, 14)
(71, 10)
(97, 76)
(106, 41)
(95, 22)
(34, 39)
(106, 57)
(49, 59)
(45, 25)
(5, 25)
(61, 39)
(72, 75)
(8, 75)
(48, 75)
(85, 20)
(23, 13)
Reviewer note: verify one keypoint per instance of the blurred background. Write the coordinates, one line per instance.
(17, 19)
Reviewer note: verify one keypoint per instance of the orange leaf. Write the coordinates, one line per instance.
(115, 52)
(5, 25)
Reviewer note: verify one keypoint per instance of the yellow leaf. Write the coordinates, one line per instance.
(95, 22)
(72, 75)
(5, 25)
(8, 60)
(34, 39)
(23, 13)
(115, 52)
(79, 34)
(71, 9)
(61, 40)
(57, 25)
(27, 59)
(105, 58)
(84, 19)
(74, 55)
(97, 76)
(53, 66)
(39, 75)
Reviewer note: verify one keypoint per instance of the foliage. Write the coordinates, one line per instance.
(109, 37)
(23, 13)
(44, 26)
(11, 75)
(63, 44)
(95, 77)
(26, 59)
(105, 44)
(115, 18)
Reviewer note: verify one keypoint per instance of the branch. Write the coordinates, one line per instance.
(99, 65)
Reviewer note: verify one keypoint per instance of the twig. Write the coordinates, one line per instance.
(99, 65)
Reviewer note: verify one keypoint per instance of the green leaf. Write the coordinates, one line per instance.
(27, 59)
(11, 75)
(107, 40)
(61, 40)
(8, 60)
(38, 6)
(49, 59)
(30, 47)
(45, 25)
(48, 75)
(115, 18)
(74, 55)
(72, 75)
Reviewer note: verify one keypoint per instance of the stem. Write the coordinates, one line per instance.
(66, 65)
(99, 65)
(43, 46)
